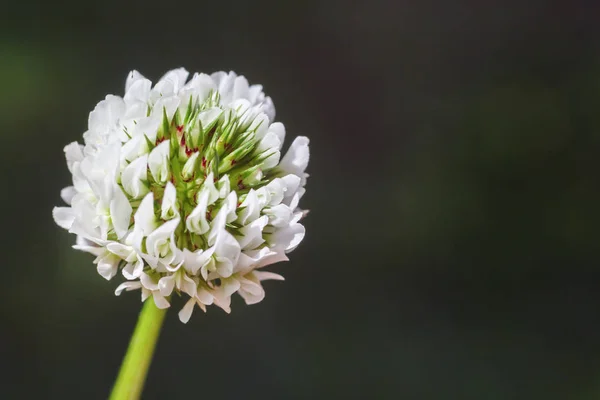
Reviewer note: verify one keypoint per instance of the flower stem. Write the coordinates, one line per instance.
(134, 368)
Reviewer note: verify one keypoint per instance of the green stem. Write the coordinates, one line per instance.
(132, 375)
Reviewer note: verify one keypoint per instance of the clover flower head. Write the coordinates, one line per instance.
(181, 187)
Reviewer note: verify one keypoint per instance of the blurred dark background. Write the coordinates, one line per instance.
(452, 245)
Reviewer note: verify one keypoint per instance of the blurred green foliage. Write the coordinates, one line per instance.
(451, 249)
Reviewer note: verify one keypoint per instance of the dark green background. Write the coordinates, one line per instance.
(452, 244)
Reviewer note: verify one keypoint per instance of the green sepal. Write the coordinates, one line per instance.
(149, 143)
(261, 157)
(198, 138)
(176, 169)
(194, 132)
(164, 130)
(215, 164)
(247, 136)
(233, 230)
(175, 120)
(236, 157)
(174, 145)
(188, 111)
(198, 241)
(252, 176)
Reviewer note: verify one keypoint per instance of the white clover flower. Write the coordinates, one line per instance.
(180, 186)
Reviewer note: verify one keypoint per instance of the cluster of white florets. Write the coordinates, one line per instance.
(181, 187)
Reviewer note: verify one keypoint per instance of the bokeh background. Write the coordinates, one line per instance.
(452, 246)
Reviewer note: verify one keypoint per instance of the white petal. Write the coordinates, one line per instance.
(199, 87)
(209, 266)
(67, 194)
(100, 171)
(275, 190)
(146, 126)
(279, 216)
(224, 186)
(296, 198)
(119, 250)
(132, 77)
(243, 109)
(299, 233)
(196, 260)
(224, 267)
(107, 266)
(251, 259)
(189, 168)
(288, 238)
(151, 260)
(222, 294)
(166, 105)
(209, 117)
(135, 176)
(158, 162)
(250, 209)
(227, 253)
(127, 286)
(231, 204)
(175, 261)
(84, 225)
(176, 77)
(264, 276)
(218, 224)
(160, 301)
(148, 282)
(292, 182)
(269, 142)
(229, 286)
(135, 111)
(137, 90)
(252, 233)
(255, 94)
(186, 312)
(120, 212)
(196, 222)
(209, 187)
(106, 115)
(133, 270)
(133, 148)
(296, 159)
(251, 291)
(73, 154)
(188, 285)
(269, 146)
(163, 232)
(144, 218)
(134, 242)
(260, 125)
(272, 160)
(224, 84)
(166, 285)
(83, 244)
(272, 258)
(279, 129)
(63, 216)
(204, 296)
(165, 87)
(169, 203)
(240, 88)
(224, 303)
